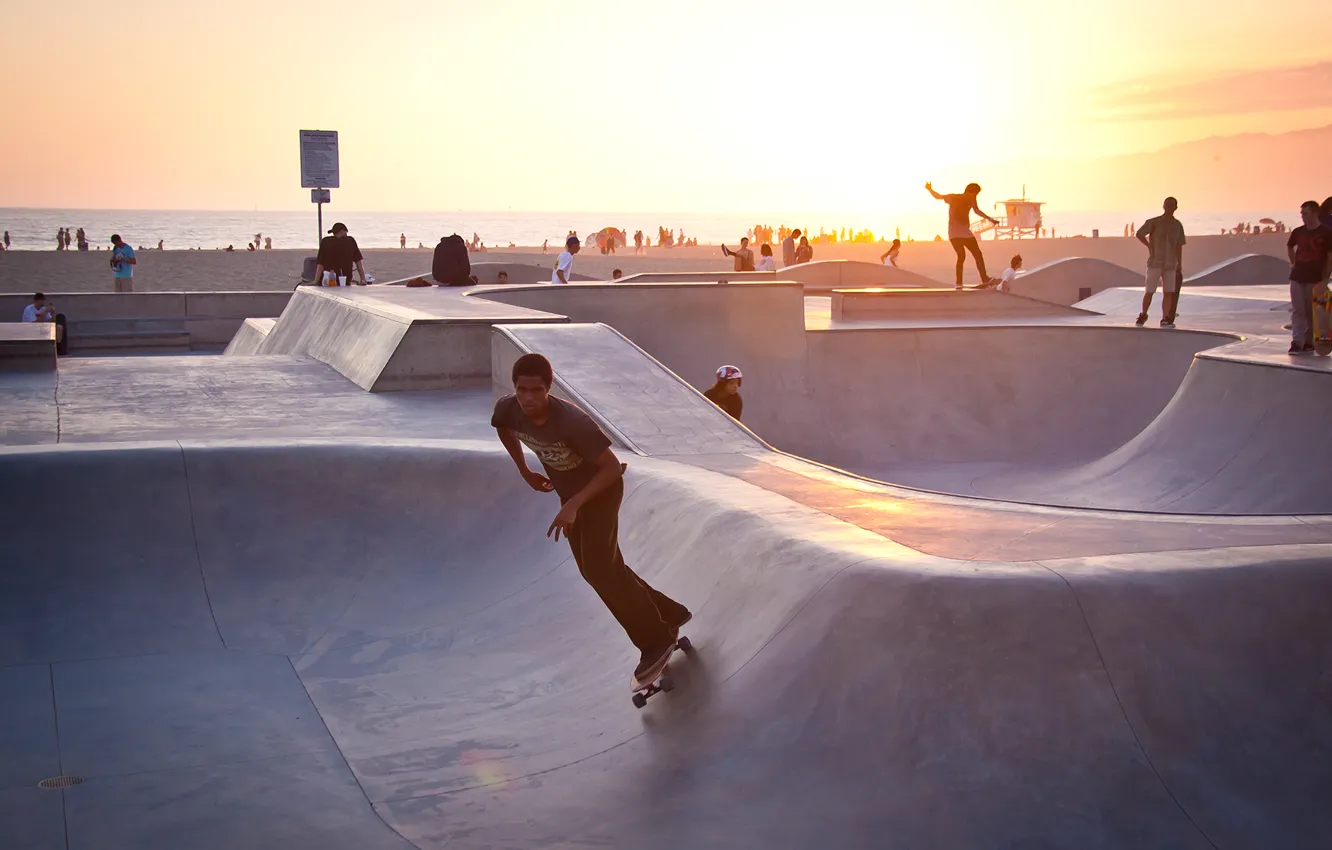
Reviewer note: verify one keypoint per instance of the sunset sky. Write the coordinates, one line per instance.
(706, 106)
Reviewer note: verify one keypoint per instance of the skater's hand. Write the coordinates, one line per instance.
(565, 518)
(538, 482)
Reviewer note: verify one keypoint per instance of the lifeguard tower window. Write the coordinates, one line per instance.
(1084, 292)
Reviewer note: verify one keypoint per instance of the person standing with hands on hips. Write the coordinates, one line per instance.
(581, 467)
(1164, 238)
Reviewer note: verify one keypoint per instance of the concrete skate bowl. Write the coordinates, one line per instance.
(362, 646)
(1100, 417)
(1073, 279)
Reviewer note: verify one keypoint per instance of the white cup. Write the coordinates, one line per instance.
(342, 280)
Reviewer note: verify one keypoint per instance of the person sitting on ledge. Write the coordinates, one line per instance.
(766, 263)
(40, 311)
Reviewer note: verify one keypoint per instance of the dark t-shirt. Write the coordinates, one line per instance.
(566, 445)
(339, 254)
(732, 404)
(1312, 248)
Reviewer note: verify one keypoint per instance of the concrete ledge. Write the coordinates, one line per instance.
(820, 276)
(27, 347)
(250, 336)
(391, 339)
(936, 303)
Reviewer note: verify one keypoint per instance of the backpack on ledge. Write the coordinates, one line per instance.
(452, 266)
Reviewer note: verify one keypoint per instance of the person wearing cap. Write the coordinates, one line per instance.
(339, 253)
(564, 265)
(726, 392)
(122, 264)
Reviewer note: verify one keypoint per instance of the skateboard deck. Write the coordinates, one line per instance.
(658, 679)
(1322, 319)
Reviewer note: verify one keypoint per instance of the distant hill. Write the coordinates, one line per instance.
(1250, 171)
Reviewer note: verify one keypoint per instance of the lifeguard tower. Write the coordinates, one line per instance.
(1022, 217)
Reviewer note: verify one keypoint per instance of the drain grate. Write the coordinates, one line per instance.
(60, 782)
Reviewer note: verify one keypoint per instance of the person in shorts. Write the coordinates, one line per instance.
(581, 467)
(123, 262)
(1164, 238)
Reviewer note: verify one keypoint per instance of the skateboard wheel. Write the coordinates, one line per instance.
(684, 644)
(639, 700)
(666, 683)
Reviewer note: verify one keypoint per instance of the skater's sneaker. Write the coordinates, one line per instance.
(1296, 349)
(651, 662)
(1167, 323)
(1142, 319)
(1309, 348)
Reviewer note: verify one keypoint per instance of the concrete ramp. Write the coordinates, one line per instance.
(375, 646)
(1224, 445)
(1073, 279)
(1244, 270)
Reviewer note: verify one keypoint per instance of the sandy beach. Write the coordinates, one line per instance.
(165, 271)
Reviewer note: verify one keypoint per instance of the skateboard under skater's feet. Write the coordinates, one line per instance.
(658, 679)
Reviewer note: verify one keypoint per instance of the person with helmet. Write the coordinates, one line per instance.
(726, 392)
(564, 265)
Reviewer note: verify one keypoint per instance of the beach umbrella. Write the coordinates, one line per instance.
(605, 235)
(1266, 221)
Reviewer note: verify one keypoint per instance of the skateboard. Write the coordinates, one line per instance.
(661, 680)
(1322, 319)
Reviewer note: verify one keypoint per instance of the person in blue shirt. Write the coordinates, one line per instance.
(122, 264)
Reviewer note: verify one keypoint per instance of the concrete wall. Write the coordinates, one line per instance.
(934, 303)
(250, 336)
(820, 276)
(210, 319)
(695, 328)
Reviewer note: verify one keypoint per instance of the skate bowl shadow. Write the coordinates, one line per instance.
(374, 645)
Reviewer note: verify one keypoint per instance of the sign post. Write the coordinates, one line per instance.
(319, 169)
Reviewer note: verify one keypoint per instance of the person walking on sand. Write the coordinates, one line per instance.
(960, 208)
(1164, 238)
(744, 257)
(890, 256)
(564, 265)
(789, 247)
(402, 241)
(1310, 251)
(726, 392)
(582, 468)
(123, 262)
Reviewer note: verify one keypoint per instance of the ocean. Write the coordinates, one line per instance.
(35, 229)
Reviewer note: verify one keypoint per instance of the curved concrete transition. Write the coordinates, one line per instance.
(1073, 279)
(1244, 270)
(372, 645)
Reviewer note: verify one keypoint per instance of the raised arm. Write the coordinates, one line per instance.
(929, 187)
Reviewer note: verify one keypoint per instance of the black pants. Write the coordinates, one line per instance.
(62, 334)
(644, 613)
(961, 246)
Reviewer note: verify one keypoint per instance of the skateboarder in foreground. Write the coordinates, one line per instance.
(1164, 238)
(581, 467)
